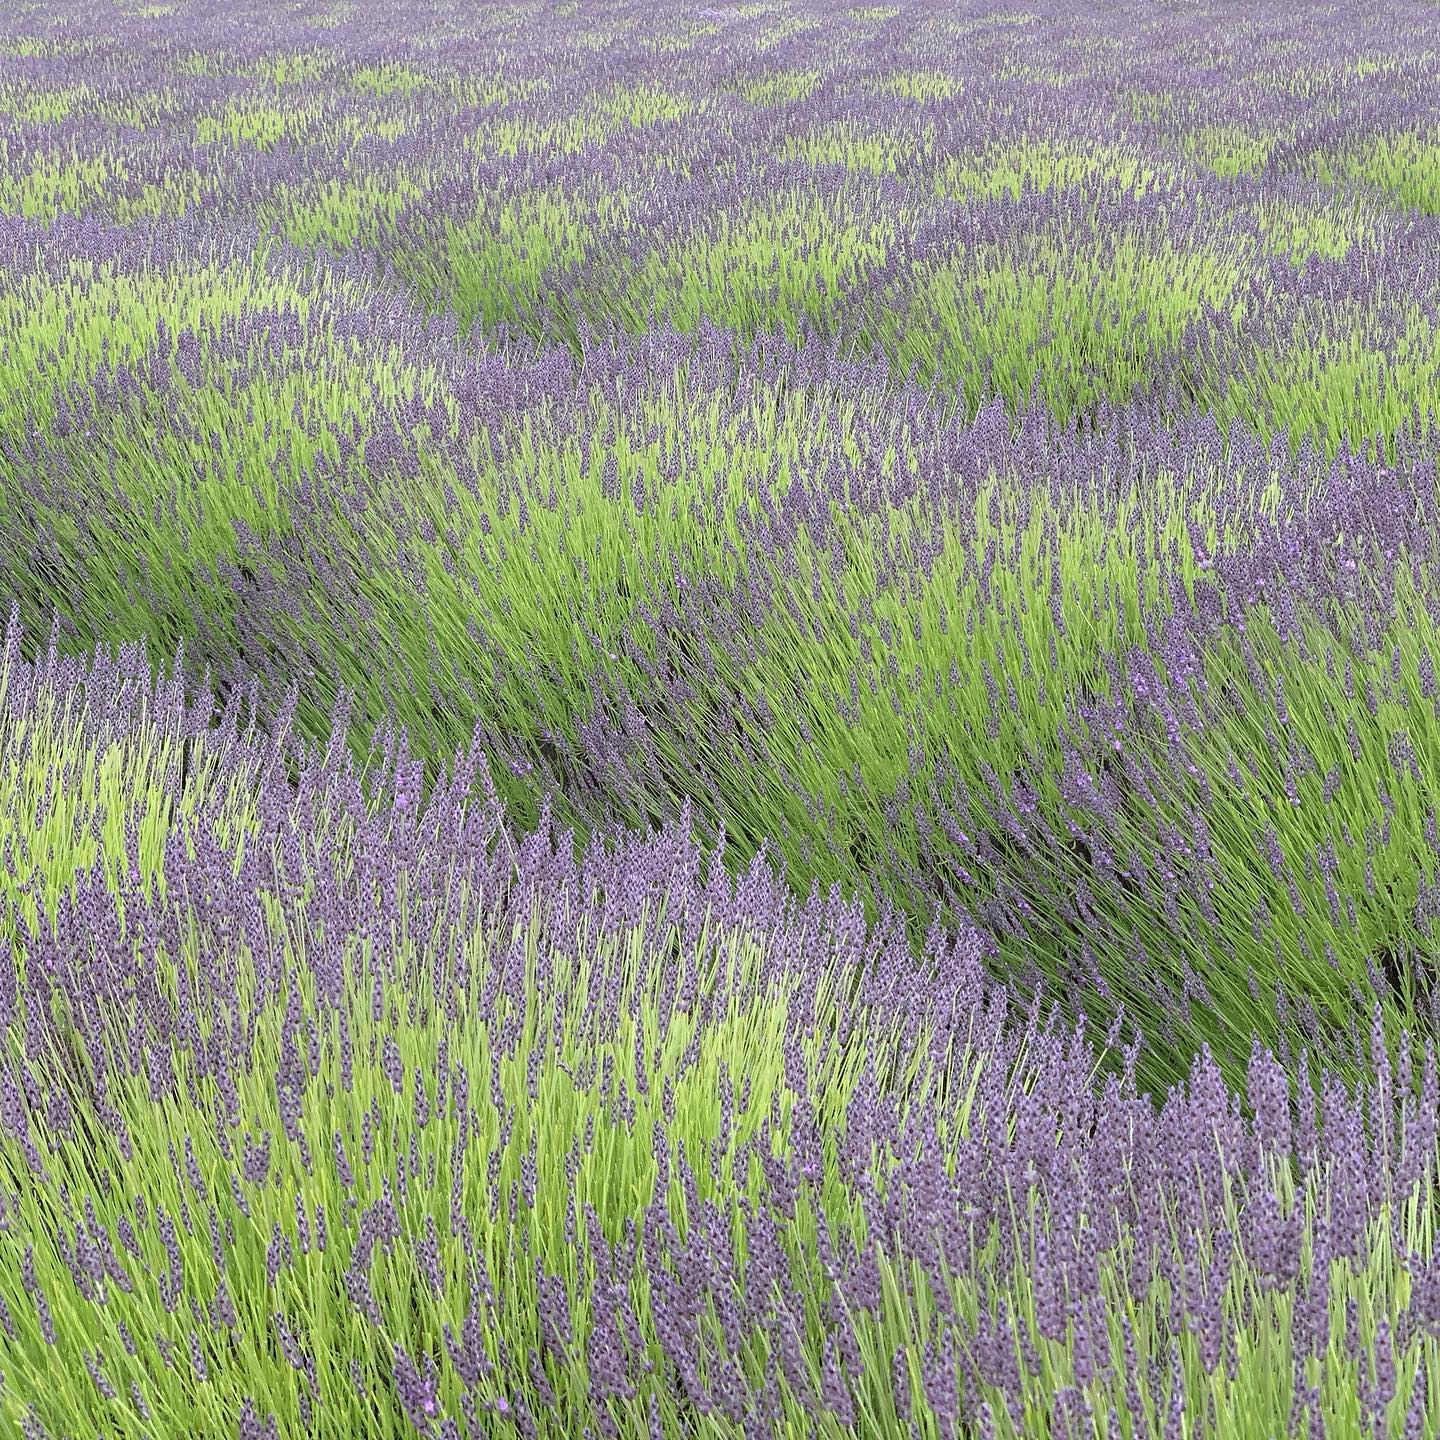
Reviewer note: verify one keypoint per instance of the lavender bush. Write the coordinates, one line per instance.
(374, 1117)
(618, 471)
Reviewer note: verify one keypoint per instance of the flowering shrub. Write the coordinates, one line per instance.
(336, 1113)
(770, 574)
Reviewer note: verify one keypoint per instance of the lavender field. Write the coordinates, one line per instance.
(719, 720)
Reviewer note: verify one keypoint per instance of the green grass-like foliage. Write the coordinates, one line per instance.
(475, 1115)
(981, 461)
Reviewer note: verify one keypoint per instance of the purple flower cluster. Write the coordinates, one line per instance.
(844, 681)
(931, 514)
(911, 1198)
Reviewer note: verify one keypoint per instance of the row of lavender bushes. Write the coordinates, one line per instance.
(1068, 599)
(326, 1107)
(1003, 594)
(1152, 704)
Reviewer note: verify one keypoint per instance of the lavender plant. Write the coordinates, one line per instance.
(821, 655)
(370, 1117)
(618, 470)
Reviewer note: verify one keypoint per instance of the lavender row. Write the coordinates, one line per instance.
(785, 585)
(373, 1116)
(867, 176)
